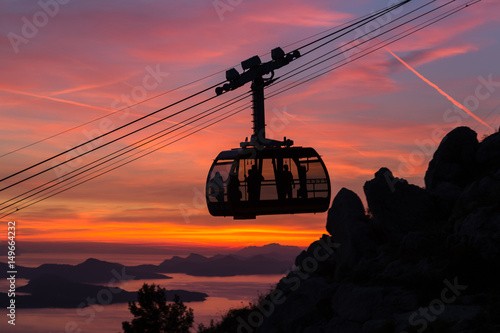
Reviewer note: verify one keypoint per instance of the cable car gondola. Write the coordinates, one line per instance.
(246, 182)
(265, 176)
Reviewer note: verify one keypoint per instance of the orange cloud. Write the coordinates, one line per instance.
(359, 117)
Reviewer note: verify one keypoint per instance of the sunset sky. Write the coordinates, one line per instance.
(87, 59)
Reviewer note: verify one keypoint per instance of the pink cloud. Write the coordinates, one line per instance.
(359, 117)
(417, 58)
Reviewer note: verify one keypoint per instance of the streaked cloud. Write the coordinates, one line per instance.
(360, 117)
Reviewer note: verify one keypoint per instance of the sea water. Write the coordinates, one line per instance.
(224, 293)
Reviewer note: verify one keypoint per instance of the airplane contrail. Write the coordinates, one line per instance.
(451, 99)
(78, 126)
(57, 100)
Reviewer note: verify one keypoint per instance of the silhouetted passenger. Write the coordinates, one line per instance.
(254, 180)
(216, 185)
(233, 189)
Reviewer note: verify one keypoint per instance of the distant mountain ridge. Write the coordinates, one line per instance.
(90, 271)
(66, 286)
(267, 259)
(224, 265)
(273, 250)
(51, 291)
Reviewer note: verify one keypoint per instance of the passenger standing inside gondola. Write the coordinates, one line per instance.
(217, 187)
(254, 181)
(302, 191)
(233, 189)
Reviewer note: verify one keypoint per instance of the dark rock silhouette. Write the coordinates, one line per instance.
(488, 154)
(452, 167)
(420, 260)
(346, 206)
(396, 205)
(347, 220)
(454, 160)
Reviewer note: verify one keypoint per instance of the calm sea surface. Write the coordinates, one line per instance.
(224, 293)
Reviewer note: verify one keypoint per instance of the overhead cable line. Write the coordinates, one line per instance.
(101, 146)
(110, 114)
(369, 18)
(366, 18)
(287, 75)
(58, 191)
(273, 93)
(166, 92)
(421, 26)
(131, 147)
(109, 132)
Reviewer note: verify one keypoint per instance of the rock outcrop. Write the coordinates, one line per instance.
(397, 206)
(418, 260)
(452, 167)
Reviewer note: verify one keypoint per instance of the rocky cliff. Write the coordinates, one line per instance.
(415, 260)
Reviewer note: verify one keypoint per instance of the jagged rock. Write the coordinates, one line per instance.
(346, 207)
(377, 325)
(396, 205)
(453, 166)
(404, 263)
(343, 326)
(448, 318)
(305, 302)
(349, 226)
(415, 241)
(476, 214)
(484, 192)
(405, 271)
(481, 230)
(454, 160)
(319, 258)
(300, 258)
(356, 303)
(488, 155)
(376, 305)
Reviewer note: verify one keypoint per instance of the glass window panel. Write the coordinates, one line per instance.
(315, 179)
(217, 183)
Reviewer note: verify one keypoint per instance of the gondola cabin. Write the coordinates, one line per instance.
(265, 176)
(247, 182)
